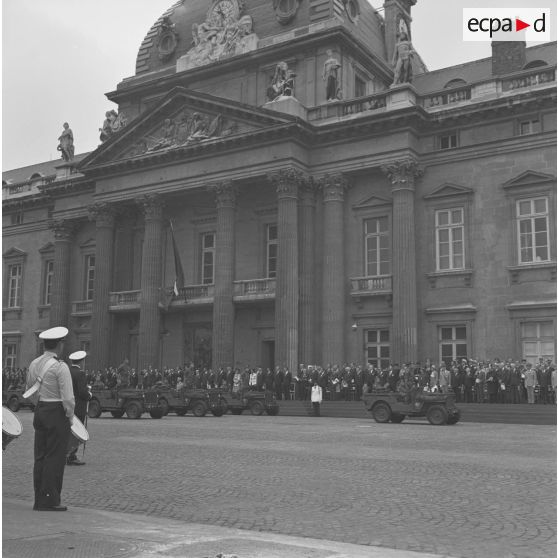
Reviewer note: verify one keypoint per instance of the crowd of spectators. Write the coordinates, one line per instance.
(472, 381)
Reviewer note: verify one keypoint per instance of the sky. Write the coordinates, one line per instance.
(60, 57)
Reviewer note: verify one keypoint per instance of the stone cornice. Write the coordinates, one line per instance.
(17, 204)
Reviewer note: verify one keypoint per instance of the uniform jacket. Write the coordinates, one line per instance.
(81, 393)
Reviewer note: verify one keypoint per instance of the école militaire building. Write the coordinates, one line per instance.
(285, 182)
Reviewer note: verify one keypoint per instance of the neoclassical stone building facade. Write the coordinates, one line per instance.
(224, 222)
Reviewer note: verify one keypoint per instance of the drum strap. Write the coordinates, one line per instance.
(42, 373)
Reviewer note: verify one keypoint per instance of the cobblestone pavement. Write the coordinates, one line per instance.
(468, 490)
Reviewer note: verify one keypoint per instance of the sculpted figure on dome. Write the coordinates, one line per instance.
(224, 33)
(113, 122)
(282, 82)
(402, 60)
(66, 143)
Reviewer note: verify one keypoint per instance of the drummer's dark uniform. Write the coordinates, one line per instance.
(52, 421)
(82, 396)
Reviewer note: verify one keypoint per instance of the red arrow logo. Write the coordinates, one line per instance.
(519, 25)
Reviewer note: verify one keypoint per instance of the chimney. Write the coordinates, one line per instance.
(397, 16)
(507, 57)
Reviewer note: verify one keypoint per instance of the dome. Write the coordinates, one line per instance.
(249, 25)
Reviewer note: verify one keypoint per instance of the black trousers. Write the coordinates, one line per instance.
(52, 431)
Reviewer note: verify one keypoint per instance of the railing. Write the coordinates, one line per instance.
(254, 287)
(448, 97)
(536, 77)
(380, 284)
(124, 298)
(344, 108)
(197, 291)
(82, 307)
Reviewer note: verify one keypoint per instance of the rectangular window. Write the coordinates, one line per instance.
(89, 276)
(47, 282)
(450, 253)
(529, 127)
(537, 341)
(360, 87)
(208, 258)
(377, 347)
(10, 355)
(453, 343)
(448, 141)
(14, 285)
(271, 251)
(17, 218)
(532, 230)
(377, 247)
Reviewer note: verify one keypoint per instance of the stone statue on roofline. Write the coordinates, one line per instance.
(282, 82)
(113, 122)
(402, 60)
(66, 143)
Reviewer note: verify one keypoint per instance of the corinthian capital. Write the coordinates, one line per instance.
(225, 193)
(287, 181)
(102, 213)
(63, 229)
(402, 173)
(333, 187)
(152, 206)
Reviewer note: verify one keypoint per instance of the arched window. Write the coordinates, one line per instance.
(457, 82)
(534, 64)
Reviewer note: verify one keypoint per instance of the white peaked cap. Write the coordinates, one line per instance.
(78, 355)
(54, 333)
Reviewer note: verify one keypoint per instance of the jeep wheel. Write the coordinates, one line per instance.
(452, 419)
(218, 411)
(236, 411)
(381, 412)
(272, 411)
(257, 408)
(133, 410)
(397, 418)
(13, 404)
(157, 413)
(117, 414)
(94, 410)
(437, 415)
(164, 404)
(199, 409)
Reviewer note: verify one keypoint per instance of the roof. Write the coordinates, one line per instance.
(47, 168)
(477, 70)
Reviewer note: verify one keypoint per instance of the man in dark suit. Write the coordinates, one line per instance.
(82, 396)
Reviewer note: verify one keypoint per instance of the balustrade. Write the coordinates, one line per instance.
(380, 284)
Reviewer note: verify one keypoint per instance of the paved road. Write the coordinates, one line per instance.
(469, 490)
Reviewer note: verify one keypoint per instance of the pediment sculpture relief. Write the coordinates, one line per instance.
(185, 129)
(223, 34)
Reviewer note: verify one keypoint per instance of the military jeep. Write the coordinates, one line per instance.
(386, 406)
(198, 401)
(13, 399)
(130, 401)
(257, 402)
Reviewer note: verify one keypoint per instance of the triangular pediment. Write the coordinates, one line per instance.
(371, 202)
(448, 189)
(14, 252)
(181, 120)
(529, 178)
(48, 247)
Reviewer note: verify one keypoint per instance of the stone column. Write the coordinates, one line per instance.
(307, 275)
(287, 182)
(101, 334)
(402, 175)
(333, 291)
(223, 306)
(151, 278)
(63, 233)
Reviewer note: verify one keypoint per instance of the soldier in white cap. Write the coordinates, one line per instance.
(82, 396)
(54, 411)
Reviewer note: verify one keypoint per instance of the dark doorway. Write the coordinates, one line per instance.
(268, 355)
